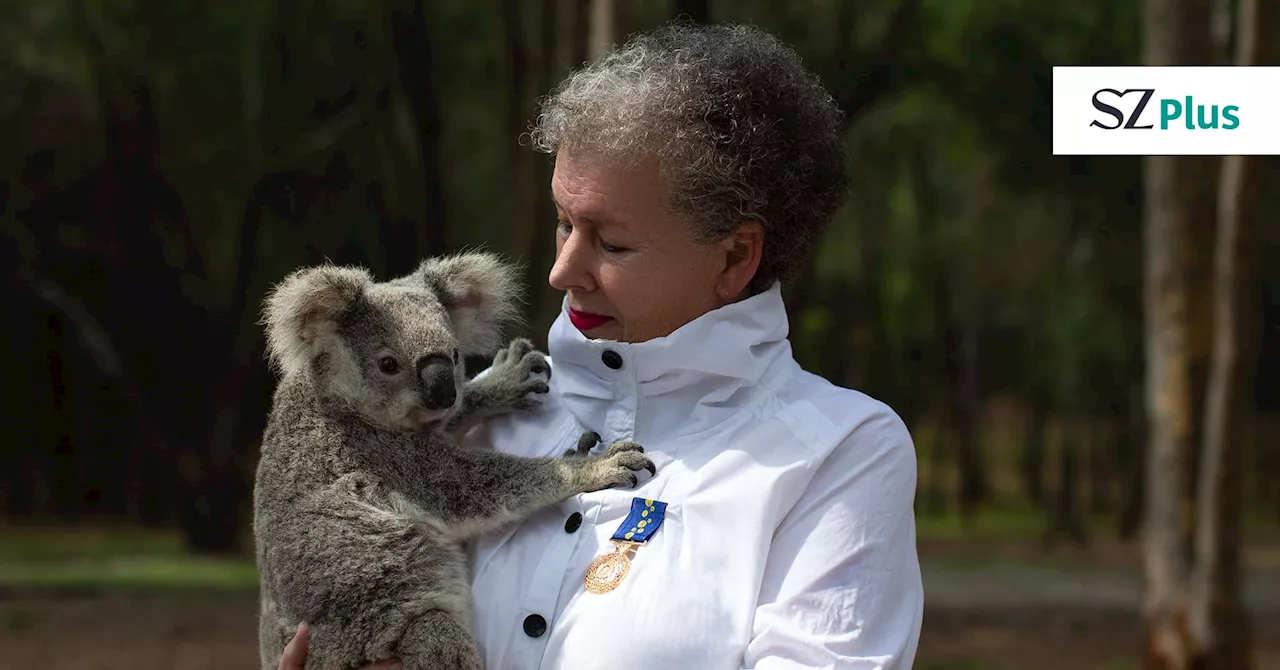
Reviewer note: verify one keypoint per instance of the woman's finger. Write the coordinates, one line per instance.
(295, 653)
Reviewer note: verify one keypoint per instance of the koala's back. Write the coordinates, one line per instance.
(333, 548)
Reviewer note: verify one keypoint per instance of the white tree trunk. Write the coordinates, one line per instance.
(1218, 619)
(605, 22)
(1168, 385)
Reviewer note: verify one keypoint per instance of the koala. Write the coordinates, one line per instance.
(363, 497)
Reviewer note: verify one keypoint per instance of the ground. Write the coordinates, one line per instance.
(128, 602)
(216, 631)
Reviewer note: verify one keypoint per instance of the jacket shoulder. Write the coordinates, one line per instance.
(828, 419)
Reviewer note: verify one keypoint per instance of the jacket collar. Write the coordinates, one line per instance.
(693, 379)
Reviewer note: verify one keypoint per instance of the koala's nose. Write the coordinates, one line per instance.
(436, 373)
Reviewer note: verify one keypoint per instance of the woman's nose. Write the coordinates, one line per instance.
(571, 269)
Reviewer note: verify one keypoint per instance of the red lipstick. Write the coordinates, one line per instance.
(587, 320)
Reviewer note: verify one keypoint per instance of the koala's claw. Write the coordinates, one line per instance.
(586, 442)
(530, 359)
(538, 363)
(619, 464)
(516, 348)
(523, 359)
(622, 446)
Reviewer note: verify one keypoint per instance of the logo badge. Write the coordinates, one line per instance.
(1143, 111)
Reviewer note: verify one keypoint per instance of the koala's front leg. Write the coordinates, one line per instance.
(505, 387)
(438, 641)
(489, 489)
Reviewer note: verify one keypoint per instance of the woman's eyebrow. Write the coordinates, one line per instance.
(560, 208)
(594, 218)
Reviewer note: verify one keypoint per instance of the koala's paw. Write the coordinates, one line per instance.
(586, 442)
(518, 352)
(511, 378)
(617, 466)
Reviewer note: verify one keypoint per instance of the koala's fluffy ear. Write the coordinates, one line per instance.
(301, 311)
(480, 291)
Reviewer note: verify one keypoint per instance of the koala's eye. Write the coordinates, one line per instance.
(455, 355)
(388, 365)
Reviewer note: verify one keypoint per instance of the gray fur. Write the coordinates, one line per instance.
(363, 499)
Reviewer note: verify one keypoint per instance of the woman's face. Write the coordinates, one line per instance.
(631, 269)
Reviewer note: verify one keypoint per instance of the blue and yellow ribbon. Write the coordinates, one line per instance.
(643, 521)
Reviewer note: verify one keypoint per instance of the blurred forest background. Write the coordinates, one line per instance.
(1055, 330)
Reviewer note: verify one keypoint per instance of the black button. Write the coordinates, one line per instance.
(611, 359)
(535, 625)
(573, 522)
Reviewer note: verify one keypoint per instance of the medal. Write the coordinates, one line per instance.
(606, 572)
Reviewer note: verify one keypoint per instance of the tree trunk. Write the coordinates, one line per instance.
(1167, 641)
(606, 26)
(1218, 617)
(1033, 449)
(1169, 404)
(518, 66)
(571, 46)
(97, 342)
(544, 301)
(1132, 437)
(699, 11)
(217, 476)
(1103, 464)
(412, 39)
(1066, 518)
(878, 71)
(966, 398)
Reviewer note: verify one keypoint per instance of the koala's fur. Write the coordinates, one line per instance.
(363, 499)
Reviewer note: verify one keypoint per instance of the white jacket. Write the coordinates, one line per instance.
(788, 539)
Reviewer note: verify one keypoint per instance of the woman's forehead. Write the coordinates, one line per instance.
(606, 192)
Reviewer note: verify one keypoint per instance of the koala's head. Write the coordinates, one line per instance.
(392, 351)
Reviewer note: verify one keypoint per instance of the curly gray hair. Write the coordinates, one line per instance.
(743, 132)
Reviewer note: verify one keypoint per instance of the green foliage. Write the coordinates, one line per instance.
(110, 557)
(37, 544)
(181, 572)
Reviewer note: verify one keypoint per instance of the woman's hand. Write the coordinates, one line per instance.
(295, 654)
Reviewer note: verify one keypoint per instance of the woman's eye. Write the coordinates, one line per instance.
(388, 365)
(609, 248)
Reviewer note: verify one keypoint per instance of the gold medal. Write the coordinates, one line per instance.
(607, 571)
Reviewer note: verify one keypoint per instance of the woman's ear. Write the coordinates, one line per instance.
(743, 250)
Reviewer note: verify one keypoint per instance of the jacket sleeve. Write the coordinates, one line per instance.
(842, 587)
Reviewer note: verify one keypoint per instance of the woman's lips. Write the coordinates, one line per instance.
(587, 320)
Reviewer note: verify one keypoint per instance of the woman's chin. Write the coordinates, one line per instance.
(609, 330)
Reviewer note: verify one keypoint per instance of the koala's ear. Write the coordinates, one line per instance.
(480, 291)
(302, 310)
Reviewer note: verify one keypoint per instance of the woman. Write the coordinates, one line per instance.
(695, 167)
